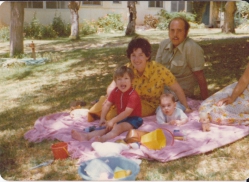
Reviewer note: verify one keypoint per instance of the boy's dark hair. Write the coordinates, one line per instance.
(170, 95)
(120, 71)
(186, 23)
(139, 42)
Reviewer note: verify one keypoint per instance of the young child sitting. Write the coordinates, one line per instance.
(167, 112)
(128, 105)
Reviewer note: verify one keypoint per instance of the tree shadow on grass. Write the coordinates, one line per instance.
(225, 62)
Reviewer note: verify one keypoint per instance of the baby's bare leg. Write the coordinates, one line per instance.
(117, 130)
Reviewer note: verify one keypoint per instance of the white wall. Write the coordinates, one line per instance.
(89, 12)
(93, 12)
(45, 16)
(4, 13)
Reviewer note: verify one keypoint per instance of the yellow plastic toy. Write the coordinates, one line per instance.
(155, 140)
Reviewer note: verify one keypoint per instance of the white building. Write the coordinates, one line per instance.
(92, 10)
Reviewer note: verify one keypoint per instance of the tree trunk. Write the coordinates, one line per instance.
(16, 28)
(131, 27)
(199, 9)
(215, 14)
(74, 7)
(230, 9)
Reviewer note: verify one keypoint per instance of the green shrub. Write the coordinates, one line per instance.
(196, 25)
(88, 27)
(163, 14)
(47, 32)
(38, 31)
(110, 22)
(162, 25)
(165, 17)
(188, 16)
(243, 10)
(61, 28)
(5, 34)
(32, 29)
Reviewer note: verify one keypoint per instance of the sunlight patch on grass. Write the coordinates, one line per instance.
(154, 176)
(79, 72)
(207, 166)
(91, 72)
(39, 107)
(6, 134)
(213, 86)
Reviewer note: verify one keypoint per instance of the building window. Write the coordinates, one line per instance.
(189, 6)
(91, 2)
(57, 4)
(156, 4)
(116, 2)
(34, 4)
(177, 6)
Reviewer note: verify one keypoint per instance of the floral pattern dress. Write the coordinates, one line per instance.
(232, 114)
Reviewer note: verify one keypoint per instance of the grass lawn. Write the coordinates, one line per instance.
(82, 70)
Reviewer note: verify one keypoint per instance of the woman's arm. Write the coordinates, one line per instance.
(110, 88)
(238, 90)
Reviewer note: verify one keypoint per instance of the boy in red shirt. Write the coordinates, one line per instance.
(128, 104)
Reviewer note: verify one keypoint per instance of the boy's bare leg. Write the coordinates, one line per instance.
(117, 130)
(86, 136)
(79, 136)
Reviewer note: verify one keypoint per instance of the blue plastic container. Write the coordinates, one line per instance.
(113, 162)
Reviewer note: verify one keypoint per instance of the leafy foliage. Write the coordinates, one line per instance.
(107, 23)
(243, 9)
(165, 17)
(110, 22)
(58, 28)
(241, 17)
(5, 34)
(88, 27)
(61, 28)
(33, 28)
(46, 32)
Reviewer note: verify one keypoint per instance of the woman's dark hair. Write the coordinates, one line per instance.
(139, 42)
(186, 23)
(120, 71)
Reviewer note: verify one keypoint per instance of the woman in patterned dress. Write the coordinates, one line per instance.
(150, 77)
(230, 106)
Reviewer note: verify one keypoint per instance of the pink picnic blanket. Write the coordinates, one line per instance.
(59, 125)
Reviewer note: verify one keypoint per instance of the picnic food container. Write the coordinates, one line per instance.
(60, 150)
(154, 140)
(113, 162)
